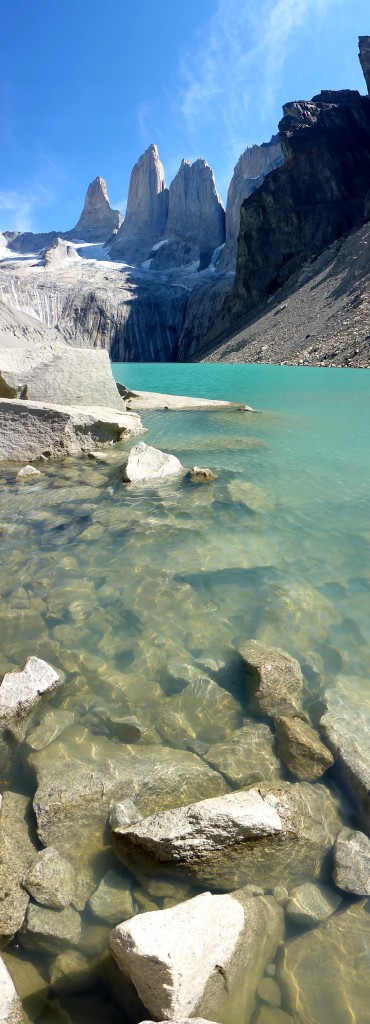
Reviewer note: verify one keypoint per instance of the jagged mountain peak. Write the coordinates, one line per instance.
(249, 174)
(147, 208)
(97, 191)
(98, 221)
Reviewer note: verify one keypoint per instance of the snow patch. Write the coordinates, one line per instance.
(158, 245)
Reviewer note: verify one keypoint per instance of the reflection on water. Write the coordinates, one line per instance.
(139, 596)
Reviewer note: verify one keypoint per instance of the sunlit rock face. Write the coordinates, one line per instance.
(196, 216)
(266, 836)
(98, 221)
(249, 173)
(147, 208)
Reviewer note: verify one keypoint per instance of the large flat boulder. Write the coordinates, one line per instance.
(17, 852)
(29, 430)
(325, 972)
(347, 734)
(270, 835)
(73, 798)
(10, 1004)
(59, 374)
(194, 958)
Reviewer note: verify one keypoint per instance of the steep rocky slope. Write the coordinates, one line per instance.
(320, 317)
(134, 314)
(318, 197)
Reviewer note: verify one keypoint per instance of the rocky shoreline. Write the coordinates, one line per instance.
(196, 868)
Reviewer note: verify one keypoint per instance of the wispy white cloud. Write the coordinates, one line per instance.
(237, 57)
(18, 206)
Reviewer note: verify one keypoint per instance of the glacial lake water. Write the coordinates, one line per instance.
(118, 587)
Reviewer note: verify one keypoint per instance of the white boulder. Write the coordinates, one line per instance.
(28, 471)
(147, 463)
(186, 960)
(21, 691)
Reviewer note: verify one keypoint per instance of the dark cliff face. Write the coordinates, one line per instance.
(364, 45)
(318, 195)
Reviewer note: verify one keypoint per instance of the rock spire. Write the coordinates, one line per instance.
(249, 173)
(98, 221)
(147, 208)
(195, 210)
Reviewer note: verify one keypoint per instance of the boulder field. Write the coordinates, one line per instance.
(195, 906)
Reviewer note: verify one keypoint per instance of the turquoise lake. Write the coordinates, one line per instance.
(124, 588)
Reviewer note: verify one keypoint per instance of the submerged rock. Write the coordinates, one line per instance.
(71, 972)
(325, 972)
(310, 904)
(352, 862)
(248, 756)
(112, 900)
(347, 735)
(52, 725)
(301, 750)
(147, 463)
(51, 879)
(201, 475)
(275, 680)
(254, 496)
(48, 931)
(273, 835)
(272, 1015)
(268, 992)
(73, 797)
(10, 1004)
(17, 852)
(21, 691)
(190, 958)
(203, 711)
(30, 985)
(123, 813)
(28, 471)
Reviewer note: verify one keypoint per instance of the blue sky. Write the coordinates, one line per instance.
(85, 87)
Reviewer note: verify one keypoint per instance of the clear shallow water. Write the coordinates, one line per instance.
(114, 585)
